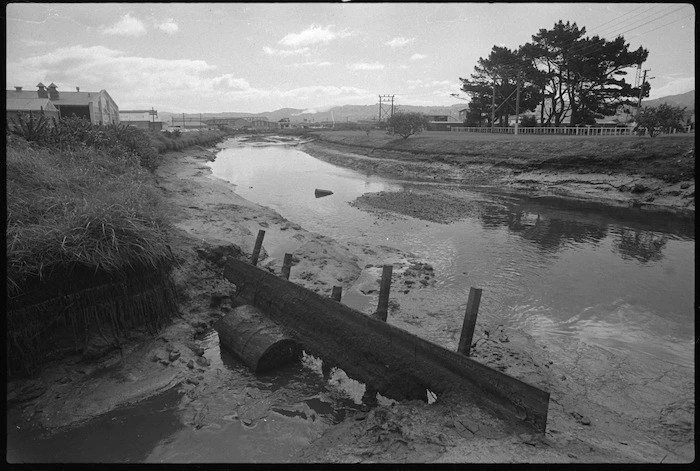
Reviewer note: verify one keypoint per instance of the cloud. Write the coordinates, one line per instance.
(311, 36)
(181, 85)
(286, 52)
(399, 42)
(311, 64)
(416, 57)
(365, 66)
(675, 86)
(36, 42)
(168, 26)
(127, 26)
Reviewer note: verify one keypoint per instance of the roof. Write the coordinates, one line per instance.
(29, 104)
(64, 98)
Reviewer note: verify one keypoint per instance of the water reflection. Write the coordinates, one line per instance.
(644, 246)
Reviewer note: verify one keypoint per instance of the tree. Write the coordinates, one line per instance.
(655, 120)
(582, 77)
(500, 73)
(407, 124)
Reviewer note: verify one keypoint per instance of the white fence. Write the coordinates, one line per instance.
(564, 130)
(576, 131)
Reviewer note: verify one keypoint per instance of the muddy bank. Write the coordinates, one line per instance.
(614, 186)
(604, 408)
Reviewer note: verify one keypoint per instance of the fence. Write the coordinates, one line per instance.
(562, 130)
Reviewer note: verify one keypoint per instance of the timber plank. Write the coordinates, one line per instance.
(397, 363)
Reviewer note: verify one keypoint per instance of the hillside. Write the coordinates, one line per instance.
(337, 113)
(355, 113)
(684, 99)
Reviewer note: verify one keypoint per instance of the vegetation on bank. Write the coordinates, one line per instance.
(84, 220)
(670, 158)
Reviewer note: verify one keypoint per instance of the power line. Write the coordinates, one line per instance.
(616, 19)
(608, 30)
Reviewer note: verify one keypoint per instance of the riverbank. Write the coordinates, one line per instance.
(604, 408)
(622, 171)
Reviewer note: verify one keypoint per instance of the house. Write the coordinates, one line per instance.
(142, 119)
(98, 107)
(284, 123)
(442, 122)
(16, 105)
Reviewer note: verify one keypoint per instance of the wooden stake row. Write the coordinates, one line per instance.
(468, 326)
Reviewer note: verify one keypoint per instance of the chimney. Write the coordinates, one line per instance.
(42, 90)
(18, 89)
(53, 92)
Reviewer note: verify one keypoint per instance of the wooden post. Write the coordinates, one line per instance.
(383, 305)
(286, 266)
(465, 340)
(337, 293)
(258, 246)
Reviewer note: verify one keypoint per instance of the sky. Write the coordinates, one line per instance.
(257, 57)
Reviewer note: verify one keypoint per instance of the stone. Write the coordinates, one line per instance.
(190, 364)
(174, 355)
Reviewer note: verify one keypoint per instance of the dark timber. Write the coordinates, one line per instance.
(397, 363)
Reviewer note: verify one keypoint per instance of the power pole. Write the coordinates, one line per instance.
(641, 89)
(517, 105)
(493, 105)
(385, 108)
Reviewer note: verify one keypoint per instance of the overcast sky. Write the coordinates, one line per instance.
(256, 57)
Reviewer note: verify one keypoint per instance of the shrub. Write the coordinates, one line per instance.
(406, 124)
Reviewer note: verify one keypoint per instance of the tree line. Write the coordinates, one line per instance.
(563, 72)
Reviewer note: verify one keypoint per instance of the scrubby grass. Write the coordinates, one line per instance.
(669, 157)
(163, 142)
(82, 208)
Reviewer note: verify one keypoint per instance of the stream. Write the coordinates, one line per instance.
(619, 278)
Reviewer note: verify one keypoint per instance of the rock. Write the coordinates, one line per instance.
(174, 355)
(190, 364)
(164, 362)
(202, 361)
(685, 186)
(65, 380)
(192, 381)
(585, 421)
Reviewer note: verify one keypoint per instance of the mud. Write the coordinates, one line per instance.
(611, 187)
(603, 408)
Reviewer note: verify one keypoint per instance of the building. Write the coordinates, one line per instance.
(34, 106)
(442, 122)
(142, 119)
(98, 107)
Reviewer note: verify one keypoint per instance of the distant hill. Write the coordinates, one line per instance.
(355, 113)
(684, 99)
(338, 113)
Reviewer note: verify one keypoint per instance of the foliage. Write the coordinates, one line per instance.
(80, 208)
(663, 118)
(562, 71)
(528, 121)
(581, 76)
(499, 73)
(406, 124)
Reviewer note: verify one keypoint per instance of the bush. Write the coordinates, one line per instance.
(79, 209)
(406, 124)
(655, 120)
(528, 121)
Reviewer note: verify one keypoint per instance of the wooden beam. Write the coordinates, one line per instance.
(397, 363)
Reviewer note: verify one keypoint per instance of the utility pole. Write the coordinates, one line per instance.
(384, 107)
(517, 105)
(641, 89)
(493, 105)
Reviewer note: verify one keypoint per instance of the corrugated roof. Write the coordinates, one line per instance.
(29, 104)
(64, 98)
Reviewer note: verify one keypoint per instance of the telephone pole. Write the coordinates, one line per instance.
(493, 105)
(641, 89)
(517, 106)
(386, 108)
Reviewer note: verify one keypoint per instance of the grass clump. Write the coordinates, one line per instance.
(83, 209)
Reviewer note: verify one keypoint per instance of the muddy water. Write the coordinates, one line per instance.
(621, 278)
